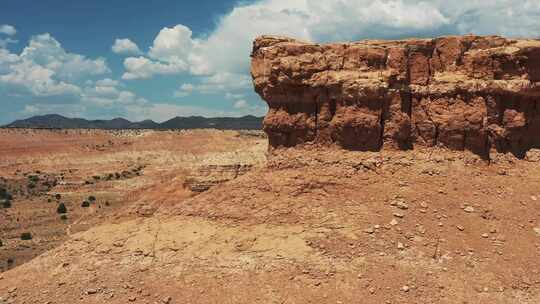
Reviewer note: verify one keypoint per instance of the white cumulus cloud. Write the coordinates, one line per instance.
(8, 29)
(240, 104)
(107, 82)
(172, 44)
(144, 68)
(167, 56)
(37, 79)
(107, 92)
(125, 47)
(46, 51)
(44, 68)
(217, 83)
(185, 90)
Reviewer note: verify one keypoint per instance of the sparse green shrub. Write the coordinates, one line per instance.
(3, 193)
(61, 209)
(92, 198)
(107, 203)
(6, 204)
(31, 185)
(117, 175)
(57, 196)
(1, 243)
(33, 178)
(85, 204)
(26, 236)
(63, 217)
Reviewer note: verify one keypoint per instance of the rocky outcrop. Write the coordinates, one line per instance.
(462, 92)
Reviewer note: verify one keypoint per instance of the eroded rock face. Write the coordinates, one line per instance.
(465, 92)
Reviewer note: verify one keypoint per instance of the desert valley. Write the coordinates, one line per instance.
(389, 172)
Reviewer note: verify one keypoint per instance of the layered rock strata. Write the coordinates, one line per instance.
(208, 176)
(462, 92)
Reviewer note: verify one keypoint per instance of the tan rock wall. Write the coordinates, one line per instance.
(467, 92)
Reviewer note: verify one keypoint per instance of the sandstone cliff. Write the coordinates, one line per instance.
(464, 92)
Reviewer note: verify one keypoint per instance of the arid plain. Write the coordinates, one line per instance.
(305, 225)
(105, 175)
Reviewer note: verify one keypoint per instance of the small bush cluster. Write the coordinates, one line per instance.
(33, 178)
(3, 192)
(6, 204)
(5, 198)
(61, 209)
(26, 236)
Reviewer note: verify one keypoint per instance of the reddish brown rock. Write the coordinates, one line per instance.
(465, 93)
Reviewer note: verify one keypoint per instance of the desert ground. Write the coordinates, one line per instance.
(216, 217)
(113, 171)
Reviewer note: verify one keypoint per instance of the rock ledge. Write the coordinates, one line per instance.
(474, 93)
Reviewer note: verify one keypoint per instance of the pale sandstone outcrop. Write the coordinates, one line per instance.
(462, 92)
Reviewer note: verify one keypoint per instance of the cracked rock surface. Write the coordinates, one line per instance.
(474, 93)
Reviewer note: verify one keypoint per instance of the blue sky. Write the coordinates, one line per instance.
(159, 59)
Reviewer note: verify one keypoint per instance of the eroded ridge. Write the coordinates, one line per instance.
(462, 92)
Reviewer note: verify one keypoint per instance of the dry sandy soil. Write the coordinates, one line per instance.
(118, 168)
(311, 225)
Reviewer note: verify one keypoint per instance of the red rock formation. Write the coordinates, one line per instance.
(465, 92)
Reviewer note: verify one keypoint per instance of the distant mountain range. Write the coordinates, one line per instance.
(55, 121)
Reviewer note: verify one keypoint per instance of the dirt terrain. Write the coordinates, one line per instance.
(112, 171)
(312, 225)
